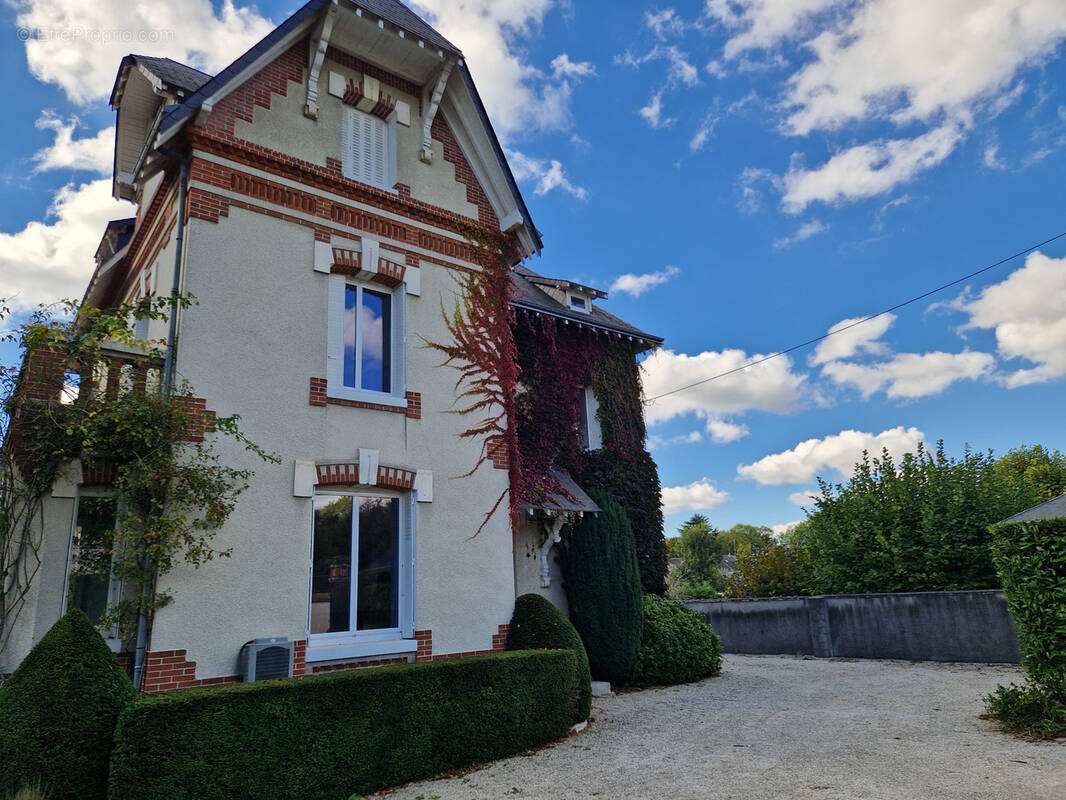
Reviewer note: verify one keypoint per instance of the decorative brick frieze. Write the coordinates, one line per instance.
(98, 473)
(389, 273)
(355, 64)
(272, 192)
(346, 262)
(348, 473)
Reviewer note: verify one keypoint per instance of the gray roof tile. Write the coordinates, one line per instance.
(1055, 507)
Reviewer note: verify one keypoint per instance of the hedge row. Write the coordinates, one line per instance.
(678, 645)
(340, 734)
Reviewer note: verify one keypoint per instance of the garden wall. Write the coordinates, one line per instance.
(969, 626)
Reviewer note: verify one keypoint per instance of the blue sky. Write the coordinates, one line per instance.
(742, 175)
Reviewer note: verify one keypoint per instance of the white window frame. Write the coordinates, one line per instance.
(396, 396)
(351, 119)
(570, 302)
(353, 643)
(111, 635)
(589, 420)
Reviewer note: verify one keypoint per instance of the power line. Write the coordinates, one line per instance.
(862, 321)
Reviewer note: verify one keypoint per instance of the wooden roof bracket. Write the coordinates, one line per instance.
(317, 54)
(431, 108)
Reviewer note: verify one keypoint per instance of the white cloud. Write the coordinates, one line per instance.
(770, 386)
(878, 224)
(637, 285)
(698, 495)
(1026, 312)
(914, 61)
(784, 527)
(79, 44)
(706, 127)
(548, 175)
(764, 23)
(910, 375)
(858, 339)
(664, 23)
(837, 452)
(804, 498)
(492, 35)
(653, 112)
(804, 232)
(658, 442)
(563, 67)
(679, 71)
(93, 154)
(51, 260)
(722, 432)
(867, 170)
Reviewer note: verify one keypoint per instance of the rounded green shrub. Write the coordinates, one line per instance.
(58, 713)
(678, 645)
(602, 583)
(539, 625)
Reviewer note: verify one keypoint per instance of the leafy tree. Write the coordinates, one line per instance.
(777, 570)
(742, 539)
(602, 583)
(1031, 475)
(700, 548)
(917, 525)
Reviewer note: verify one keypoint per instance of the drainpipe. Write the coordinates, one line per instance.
(141, 650)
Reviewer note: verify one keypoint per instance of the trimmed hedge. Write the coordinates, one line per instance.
(340, 734)
(539, 625)
(602, 583)
(678, 645)
(58, 713)
(1030, 558)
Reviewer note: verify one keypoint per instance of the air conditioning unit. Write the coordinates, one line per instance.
(265, 659)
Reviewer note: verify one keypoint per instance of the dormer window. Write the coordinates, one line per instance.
(578, 302)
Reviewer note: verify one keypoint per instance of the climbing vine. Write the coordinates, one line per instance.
(171, 491)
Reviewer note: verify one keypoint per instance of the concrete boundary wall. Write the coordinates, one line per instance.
(969, 626)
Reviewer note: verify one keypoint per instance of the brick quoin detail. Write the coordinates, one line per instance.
(498, 455)
(198, 420)
(464, 174)
(274, 78)
(165, 670)
(318, 392)
(414, 405)
(425, 646)
(299, 656)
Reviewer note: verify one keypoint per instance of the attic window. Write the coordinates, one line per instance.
(368, 149)
(578, 302)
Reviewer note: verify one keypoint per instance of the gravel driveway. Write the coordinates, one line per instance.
(781, 727)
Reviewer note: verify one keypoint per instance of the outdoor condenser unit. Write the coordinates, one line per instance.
(265, 659)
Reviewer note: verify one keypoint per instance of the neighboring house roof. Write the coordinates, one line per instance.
(578, 500)
(530, 296)
(1047, 510)
(175, 77)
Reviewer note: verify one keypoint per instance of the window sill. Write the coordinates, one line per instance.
(357, 649)
(364, 396)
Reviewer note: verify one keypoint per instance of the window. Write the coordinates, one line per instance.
(368, 148)
(588, 419)
(90, 586)
(362, 566)
(578, 302)
(365, 342)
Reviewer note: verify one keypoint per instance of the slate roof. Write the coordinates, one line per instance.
(530, 296)
(1055, 507)
(174, 73)
(403, 17)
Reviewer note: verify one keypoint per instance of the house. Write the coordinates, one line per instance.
(1050, 509)
(309, 197)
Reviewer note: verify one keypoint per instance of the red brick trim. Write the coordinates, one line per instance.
(355, 64)
(453, 154)
(199, 420)
(498, 453)
(318, 392)
(98, 473)
(348, 473)
(361, 664)
(166, 670)
(346, 262)
(414, 405)
(499, 639)
(299, 657)
(424, 641)
(425, 646)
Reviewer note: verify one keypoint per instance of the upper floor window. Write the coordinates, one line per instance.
(578, 302)
(365, 341)
(588, 419)
(91, 585)
(368, 148)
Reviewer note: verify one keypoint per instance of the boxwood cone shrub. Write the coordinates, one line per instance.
(1030, 558)
(329, 737)
(602, 583)
(58, 713)
(539, 625)
(678, 645)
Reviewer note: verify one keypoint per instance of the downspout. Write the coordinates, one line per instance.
(141, 650)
